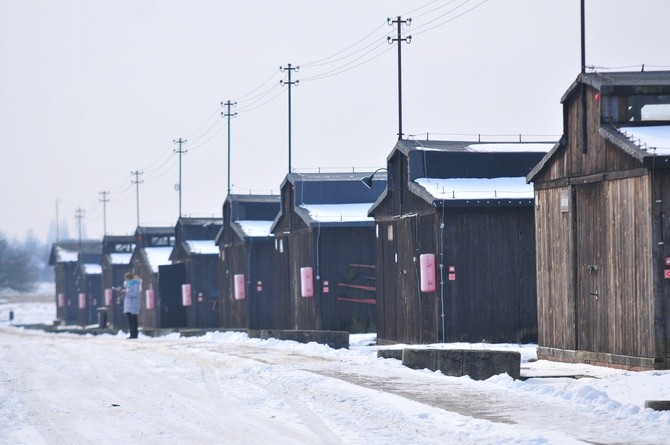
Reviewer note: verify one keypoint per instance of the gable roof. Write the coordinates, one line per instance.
(623, 83)
(648, 144)
(333, 188)
(154, 230)
(156, 256)
(466, 159)
(462, 164)
(197, 228)
(67, 251)
(332, 199)
(109, 242)
(253, 207)
(251, 216)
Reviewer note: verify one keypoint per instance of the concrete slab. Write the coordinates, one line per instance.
(476, 363)
(334, 339)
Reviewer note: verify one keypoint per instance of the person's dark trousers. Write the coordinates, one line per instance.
(132, 324)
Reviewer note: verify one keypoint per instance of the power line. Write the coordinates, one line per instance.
(247, 109)
(239, 98)
(450, 19)
(419, 8)
(192, 135)
(340, 70)
(155, 173)
(320, 62)
(193, 147)
(414, 16)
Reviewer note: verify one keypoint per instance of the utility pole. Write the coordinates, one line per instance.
(399, 21)
(137, 183)
(289, 82)
(79, 216)
(585, 140)
(57, 223)
(104, 201)
(228, 115)
(180, 141)
(583, 36)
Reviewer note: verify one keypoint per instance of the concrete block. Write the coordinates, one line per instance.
(334, 339)
(390, 353)
(254, 333)
(478, 364)
(658, 405)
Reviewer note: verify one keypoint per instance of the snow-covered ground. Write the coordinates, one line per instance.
(230, 389)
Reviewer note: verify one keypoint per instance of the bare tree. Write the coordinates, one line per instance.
(18, 270)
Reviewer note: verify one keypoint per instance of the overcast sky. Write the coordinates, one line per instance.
(93, 90)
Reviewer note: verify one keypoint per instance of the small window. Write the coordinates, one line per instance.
(389, 233)
(166, 240)
(635, 108)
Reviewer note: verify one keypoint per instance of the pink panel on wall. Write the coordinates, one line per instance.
(307, 282)
(427, 266)
(108, 296)
(150, 302)
(240, 288)
(186, 296)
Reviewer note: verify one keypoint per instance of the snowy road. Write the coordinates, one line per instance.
(226, 388)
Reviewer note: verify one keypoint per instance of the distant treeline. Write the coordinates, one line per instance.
(23, 264)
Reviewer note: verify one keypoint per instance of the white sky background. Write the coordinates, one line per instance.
(92, 90)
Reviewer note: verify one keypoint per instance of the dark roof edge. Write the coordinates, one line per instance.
(540, 165)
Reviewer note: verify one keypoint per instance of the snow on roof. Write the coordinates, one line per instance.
(657, 136)
(92, 269)
(158, 256)
(477, 188)
(205, 247)
(339, 212)
(64, 255)
(510, 147)
(255, 228)
(120, 258)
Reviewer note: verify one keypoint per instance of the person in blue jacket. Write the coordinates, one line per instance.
(131, 303)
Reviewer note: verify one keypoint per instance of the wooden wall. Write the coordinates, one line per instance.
(601, 293)
(555, 270)
(493, 297)
(405, 314)
(234, 312)
(91, 286)
(492, 250)
(67, 285)
(148, 318)
(343, 253)
(595, 268)
(304, 313)
(202, 272)
(265, 306)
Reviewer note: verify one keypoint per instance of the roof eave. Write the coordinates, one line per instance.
(540, 165)
(454, 203)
